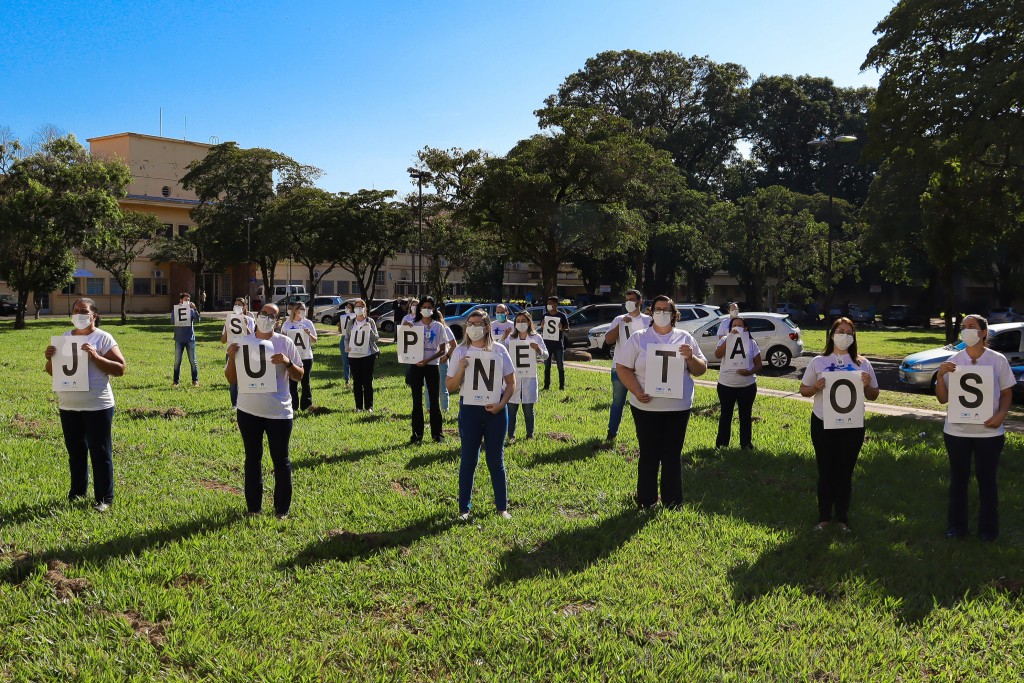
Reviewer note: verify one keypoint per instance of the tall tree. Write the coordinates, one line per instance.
(375, 228)
(195, 249)
(119, 240)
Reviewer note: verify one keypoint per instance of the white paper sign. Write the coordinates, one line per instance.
(70, 364)
(524, 359)
(972, 394)
(410, 344)
(665, 373)
(182, 315)
(551, 328)
(481, 383)
(359, 341)
(737, 352)
(237, 327)
(256, 374)
(843, 404)
(301, 338)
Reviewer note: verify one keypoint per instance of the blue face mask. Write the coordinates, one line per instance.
(502, 317)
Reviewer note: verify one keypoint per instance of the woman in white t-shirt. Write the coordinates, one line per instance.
(344, 321)
(442, 364)
(983, 442)
(267, 413)
(302, 332)
(836, 450)
(723, 327)
(486, 423)
(361, 346)
(239, 308)
(737, 387)
(526, 393)
(660, 420)
(435, 345)
(86, 417)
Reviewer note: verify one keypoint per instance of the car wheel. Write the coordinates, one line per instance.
(327, 320)
(779, 357)
(387, 327)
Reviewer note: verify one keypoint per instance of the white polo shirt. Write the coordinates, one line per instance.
(1004, 380)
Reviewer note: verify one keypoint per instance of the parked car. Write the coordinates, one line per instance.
(1018, 388)
(797, 314)
(538, 312)
(383, 314)
(588, 317)
(1004, 315)
(776, 335)
(284, 302)
(330, 314)
(457, 323)
(897, 315)
(854, 312)
(8, 304)
(691, 317)
(919, 370)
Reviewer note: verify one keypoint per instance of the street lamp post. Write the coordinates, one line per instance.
(248, 260)
(420, 177)
(830, 145)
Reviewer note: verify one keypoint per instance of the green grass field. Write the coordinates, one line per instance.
(372, 579)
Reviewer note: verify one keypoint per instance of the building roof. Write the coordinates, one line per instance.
(163, 200)
(149, 137)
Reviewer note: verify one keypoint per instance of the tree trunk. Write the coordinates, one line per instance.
(19, 316)
(950, 316)
(124, 296)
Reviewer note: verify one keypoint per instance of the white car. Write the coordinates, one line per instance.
(776, 335)
(691, 317)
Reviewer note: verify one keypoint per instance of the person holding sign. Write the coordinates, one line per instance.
(482, 372)
(621, 328)
(433, 335)
(302, 332)
(978, 385)
(657, 365)
(184, 316)
(734, 312)
(737, 382)
(87, 410)
(237, 325)
(361, 346)
(267, 409)
(836, 450)
(555, 323)
(442, 364)
(502, 326)
(525, 347)
(344, 321)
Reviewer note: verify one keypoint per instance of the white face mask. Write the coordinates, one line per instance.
(427, 312)
(265, 324)
(360, 310)
(970, 336)
(237, 310)
(552, 308)
(734, 313)
(663, 318)
(81, 320)
(842, 341)
(476, 333)
(523, 327)
(630, 306)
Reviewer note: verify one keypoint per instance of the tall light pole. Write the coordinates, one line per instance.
(420, 177)
(830, 145)
(248, 260)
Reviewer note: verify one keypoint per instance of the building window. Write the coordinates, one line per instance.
(342, 286)
(115, 288)
(161, 286)
(327, 287)
(93, 286)
(182, 229)
(379, 278)
(355, 287)
(167, 231)
(70, 289)
(142, 286)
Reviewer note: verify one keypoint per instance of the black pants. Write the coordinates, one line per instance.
(415, 379)
(307, 397)
(661, 436)
(836, 451)
(87, 433)
(362, 380)
(556, 353)
(730, 397)
(986, 452)
(279, 433)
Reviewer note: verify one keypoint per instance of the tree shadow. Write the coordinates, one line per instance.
(345, 456)
(573, 550)
(427, 459)
(347, 546)
(583, 450)
(28, 512)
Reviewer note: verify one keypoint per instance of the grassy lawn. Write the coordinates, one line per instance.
(372, 579)
(892, 344)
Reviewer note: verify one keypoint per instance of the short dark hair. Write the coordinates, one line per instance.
(553, 298)
(665, 297)
(636, 293)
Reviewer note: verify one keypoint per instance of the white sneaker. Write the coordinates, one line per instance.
(505, 514)
(464, 517)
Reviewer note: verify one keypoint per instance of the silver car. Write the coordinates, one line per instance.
(776, 335)
(691, 317)
(919, 370)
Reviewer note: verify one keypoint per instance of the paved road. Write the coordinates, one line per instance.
(887, 372)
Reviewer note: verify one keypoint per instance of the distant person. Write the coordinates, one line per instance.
(836, 450)
(737, 387)
(185, 340)
(344, 322)
(362, 356)
(298, 323)
(202, 299)
(525, 394)
(502, 326)
(239, 308)
(442, 364)
(983, 443)
(556, 347)
(271, 414)
(631, 322)
(87, 417)
(723, 327)
(426, 372)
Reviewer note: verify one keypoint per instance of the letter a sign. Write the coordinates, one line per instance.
(737, 352)
(70, 365)
(551, 328)
(481, 384)
(410, 344)
(666, 370)
(256, 374)
(843, 407)
(182, 315)
(972, 394)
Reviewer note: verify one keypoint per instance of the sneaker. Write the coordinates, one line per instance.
(196, 383)
(610, 438)
(369, 410)
(439, 439)
(252, 513)
(415, 439)
(843, 528)
(101, 507)
(282, 516)
(504, 514)
(955, 533)
(464, 517)
(820, 526)
(175, 384)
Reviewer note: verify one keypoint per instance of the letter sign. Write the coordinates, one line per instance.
(70, 364)
(359, 341)
(843, 405)
(972, 394)
(481, 384)
(551, 328)
(410, 344)
(524, 359)
(301, 338)
(737, 352)
(256, 374)
(666, 371)
(237, 327)
(182, 315)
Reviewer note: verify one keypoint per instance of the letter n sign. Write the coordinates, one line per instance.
(972, 394)
(481, 384)
(843, 400)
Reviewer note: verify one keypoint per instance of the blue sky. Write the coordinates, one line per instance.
(357, 88)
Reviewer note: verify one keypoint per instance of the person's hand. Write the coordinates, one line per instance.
(535, 346)
(866, 378)
(743, 372)
(819, 385)
(407, 324)
(50, 352)
(734, 330)
(90, 350)
(464, 364)
(279, 359)
(348, 349)
(686, 351)
(946, 368)
(421, 363)
(233, 349)
(494, 408)
(995, 421)
(643, 397)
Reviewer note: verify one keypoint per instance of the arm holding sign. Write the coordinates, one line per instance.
(230, 373)
(632, 384)
(111, 363)
(454, 380)
(1005, 399)
(510, 388)
(812, 381)
(941, 386)
(695, 363)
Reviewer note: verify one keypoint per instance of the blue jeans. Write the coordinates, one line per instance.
(445, 399)
(513, 412)
(87, 434)
(344, 361)
(619, 394)
(477, 425)
(178, 348)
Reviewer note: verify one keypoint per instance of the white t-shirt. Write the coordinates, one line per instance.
(723, 327)
(730, 378)
(410, 318)
(527, 390)
(100, 396)
(633, 354)
(292, 327)
(461, 351)
(634, 325)
(343, 323)
(1004, 380)
(277, 405)
(835, 362)
(434, 336)
(498, 329)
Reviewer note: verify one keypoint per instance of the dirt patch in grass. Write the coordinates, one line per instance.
(575, 608)
(9, 552)
(318, 410)
(405, 487)
(186, 580)
(171, 413)
(561, 436)
(26, 427)
(1014, 587)
(66, 589)
(211, 485)
(155, 632)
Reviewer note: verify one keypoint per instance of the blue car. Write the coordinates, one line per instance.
(1018, 388)
(456, 312)
(918, 370)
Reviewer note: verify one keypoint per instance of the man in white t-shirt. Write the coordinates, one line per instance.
(723, 327)
(501, 326)
(618, 333)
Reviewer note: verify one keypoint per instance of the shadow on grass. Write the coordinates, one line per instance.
(447, 453)
(122, 546)
(583, 450)
(345, 456)
(571, 551)
(347, 546)
(25, 513)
